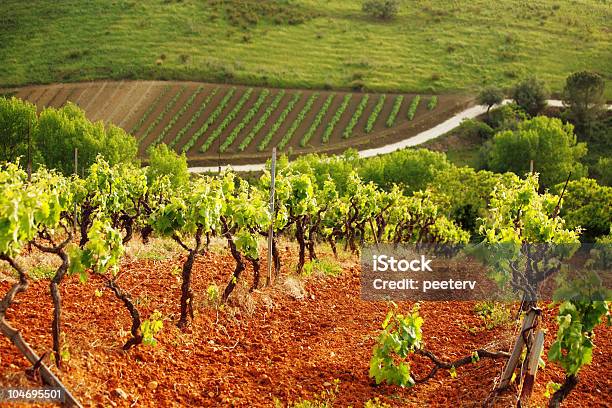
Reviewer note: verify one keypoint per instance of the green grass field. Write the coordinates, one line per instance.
(432, 46)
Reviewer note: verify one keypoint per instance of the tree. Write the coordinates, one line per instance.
(165, 162)
(530, 95)
(17, 120)
(550, 143)
(490, 96)
(60, 131)
(383, 9)
(587, 205)
(584, 96)
(604, 171)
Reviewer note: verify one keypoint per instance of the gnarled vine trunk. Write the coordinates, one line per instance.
(134, 314)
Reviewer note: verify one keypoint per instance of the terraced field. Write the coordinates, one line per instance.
(242, 124)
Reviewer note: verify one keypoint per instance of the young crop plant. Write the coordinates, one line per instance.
(296, 123)
(150, 110)
(262, 121)
(397, 104)
(163, 113)
(414, 104)
(433, 102)
(177, 116)
(227, 120)
(317, 121)
(245, 121)
(279, 122)
(193, 119)
(348, 132)
(336, 118)
(211, 119)
(375, 113)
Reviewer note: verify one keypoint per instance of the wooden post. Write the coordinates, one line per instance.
(271, 229)
(513, 361)
(29, 152)
(76, 173)
(532, 367)
(531, 166)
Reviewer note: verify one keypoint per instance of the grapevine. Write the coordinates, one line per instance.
(336, 118)
(262, 121)
(317, 121)
(356, 116)
(211, 119)
(279, 122)
(193, 119)
(227, 120)
(150, 110)
(177, 116)
(296, 123)
(397, 104)
(375, 113)
(163, 113)
(245, 121)
(414, 104)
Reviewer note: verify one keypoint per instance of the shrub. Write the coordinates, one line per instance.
(490, 96)
(60, 131)
(584, 95)
(588, 205)
(166, 162)
(383, 9)
(17, 120)
(550, 143)
(506, 117)
(530, 95)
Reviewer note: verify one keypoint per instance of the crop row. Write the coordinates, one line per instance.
(348, 132)
(177, 116)
(334, 120)
(262, 121)
(227, 120)
(211, 119)
(375, 113)
(317, 121)
(397, 104)
(414, 104)
(433, 102)
(150, 110)
(245, 121)
(296, 123)
(193, 119)
(281, 119)
(169, 106)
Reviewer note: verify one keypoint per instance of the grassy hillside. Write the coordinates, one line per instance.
(432, 46)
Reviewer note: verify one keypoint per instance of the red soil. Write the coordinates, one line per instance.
(272, 346)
